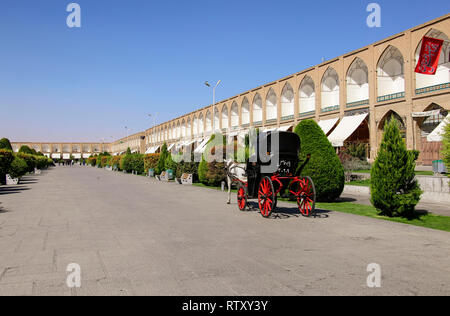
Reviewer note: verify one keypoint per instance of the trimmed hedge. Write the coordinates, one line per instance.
(5, 144)
(18, 167)
(324, 167)
(6, 158)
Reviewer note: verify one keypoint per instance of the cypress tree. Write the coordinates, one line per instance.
(324, 168)
(446, 148)
(394, 189)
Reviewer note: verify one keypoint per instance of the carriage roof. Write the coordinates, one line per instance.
(289, 143)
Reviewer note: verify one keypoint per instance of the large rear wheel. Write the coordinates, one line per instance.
(266, 197)
(306, 196)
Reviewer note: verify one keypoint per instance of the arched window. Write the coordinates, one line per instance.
(234, 115)
(188, 129)
(245, 112)
(271, 107)
(330, 90)
(201, 124)
(287, 102)
(307, 97)
(224, 117)
(195, 127)
(390, 75)
(357, 84)
(208, 122)
(257, 110)
(216, 120)
(442, 76)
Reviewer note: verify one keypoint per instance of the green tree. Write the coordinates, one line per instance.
(25, 150)
(446, 143)
(18, 167)
(394, 189)
(324, 167)
(5, 144)
(202, 171)
(162, 159)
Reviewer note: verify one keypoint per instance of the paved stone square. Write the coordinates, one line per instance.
(134, 236)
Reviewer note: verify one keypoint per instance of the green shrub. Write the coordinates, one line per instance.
(188, 167)
(6, 158)
(150, 162)
(137, 163)
(170, 164)
(125, 163)
(324, 167)
(394, 189)
(29, 159)
(115, 162)
(5, 144)
(215, 173)
(202, 171)
(92, 161)
(18, 167)
(26, 150)
(446, 147)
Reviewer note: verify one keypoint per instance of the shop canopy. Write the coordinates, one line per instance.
(170, 146)
(436, 135)
(345, 129)
(327, 125)
(77, 156)
(56, 156)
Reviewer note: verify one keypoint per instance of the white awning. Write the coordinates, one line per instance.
(426, 114)
(201, 148)
(328, 125)
(436, 135)
(345, 129)
(134, 151)
(77, 156)
(47, 155)
(189, 142)
(86, 156)
(170, 146)
(56, 156)
(284, 128)
(267, 130)
(149, 151)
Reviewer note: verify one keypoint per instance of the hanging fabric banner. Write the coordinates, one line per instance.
(429, 56)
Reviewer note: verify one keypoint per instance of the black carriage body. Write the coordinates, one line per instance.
(285, 157)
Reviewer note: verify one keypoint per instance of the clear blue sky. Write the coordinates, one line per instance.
(135, 57)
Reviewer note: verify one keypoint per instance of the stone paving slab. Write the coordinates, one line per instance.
(135, 236)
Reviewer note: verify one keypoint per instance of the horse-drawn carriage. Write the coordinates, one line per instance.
(265, 186)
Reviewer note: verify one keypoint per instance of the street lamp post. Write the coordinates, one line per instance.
(214, 103)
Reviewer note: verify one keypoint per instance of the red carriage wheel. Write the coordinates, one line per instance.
(242, 197)
(266, 197)
(306, 196)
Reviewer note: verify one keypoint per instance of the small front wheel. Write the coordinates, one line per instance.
(266, 197)
(242, 197)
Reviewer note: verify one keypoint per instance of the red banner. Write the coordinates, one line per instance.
(429, 56)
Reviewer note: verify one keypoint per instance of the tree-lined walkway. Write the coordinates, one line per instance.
(133, 235)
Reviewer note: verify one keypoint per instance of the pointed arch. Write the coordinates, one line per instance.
(442, 75)
(245, 112)
(257, 110)
(201, 124)
(391, 75)
(388, 116)
(217, 119)
(330, 90)
(287, 102)
(208, 121)
(271, 106)
(234, 115)
(224, 116)
(307, 96)
(357, 83)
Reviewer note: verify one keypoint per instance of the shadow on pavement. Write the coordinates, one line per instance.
(287, 212)
(12, 189)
